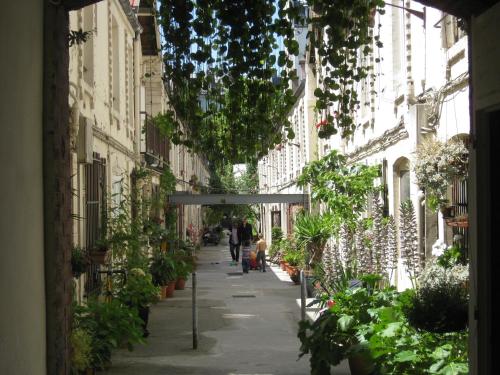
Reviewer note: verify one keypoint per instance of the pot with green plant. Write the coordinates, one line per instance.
(311, 233)
(295, 260)
(79, 261)
(139, 292)
(184, 265)
(162, 269)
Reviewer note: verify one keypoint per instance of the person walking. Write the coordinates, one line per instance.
(245, 231)
(260, 249)
(234, 243)
(245, 256)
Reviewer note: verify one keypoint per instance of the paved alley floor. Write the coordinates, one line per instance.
(247, 325)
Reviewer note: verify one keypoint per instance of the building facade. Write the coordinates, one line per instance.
(116, 90)
(418, 90)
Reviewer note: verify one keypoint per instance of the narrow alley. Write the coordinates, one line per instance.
(247, 324)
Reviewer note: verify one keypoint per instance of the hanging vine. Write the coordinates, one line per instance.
(227, 82)
(341, 33)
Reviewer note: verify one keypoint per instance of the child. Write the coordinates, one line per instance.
(260, 248)
(245, 256)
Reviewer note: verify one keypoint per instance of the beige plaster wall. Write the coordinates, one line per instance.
(22, 310)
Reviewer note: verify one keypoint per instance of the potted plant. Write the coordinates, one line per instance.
(311, 233)
(295, 260)
(162, 268)
(110, 325)
(79, 261)
(184, 265)
(139, 293)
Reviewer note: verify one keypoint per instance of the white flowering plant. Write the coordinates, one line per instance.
(437, 165)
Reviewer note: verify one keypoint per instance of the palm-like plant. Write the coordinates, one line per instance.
(311, 233)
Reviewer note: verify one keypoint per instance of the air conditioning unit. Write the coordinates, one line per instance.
(84, 148)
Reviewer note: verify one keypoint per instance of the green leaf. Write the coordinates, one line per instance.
(406, 356)
(345, 322)
(454, 369)
(391, 330)
(441, 352)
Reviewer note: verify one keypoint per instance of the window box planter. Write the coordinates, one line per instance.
(460, 221)
(98, 256)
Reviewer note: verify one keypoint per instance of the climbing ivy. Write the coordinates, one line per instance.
(229, 82)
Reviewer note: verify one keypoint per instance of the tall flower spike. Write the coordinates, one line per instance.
(409, 242)
(392, 246)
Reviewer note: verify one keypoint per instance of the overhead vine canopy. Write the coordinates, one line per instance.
(226, 77)
(229, 81)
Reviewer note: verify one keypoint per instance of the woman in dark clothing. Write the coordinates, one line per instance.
(245, 231)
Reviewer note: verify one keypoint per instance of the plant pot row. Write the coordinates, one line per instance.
(167, 291)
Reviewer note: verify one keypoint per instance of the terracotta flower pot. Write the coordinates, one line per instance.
(170, 289)
(180, 284)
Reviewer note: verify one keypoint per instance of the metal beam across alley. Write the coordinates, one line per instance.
(210, 199)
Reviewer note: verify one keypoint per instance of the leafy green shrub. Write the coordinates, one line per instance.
(373, 323)
(276, 234)
(311, 233)
(81, 350)
(162, 268)
(399, 348)
(295, 258)
(441, 302)
(452, 256)
(139, 290)
(111, 325)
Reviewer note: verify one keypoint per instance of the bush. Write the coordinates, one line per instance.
(441, 302)
(81, 350)
(276, 234)
(110, 325)
(138, 290)
(162, 268)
